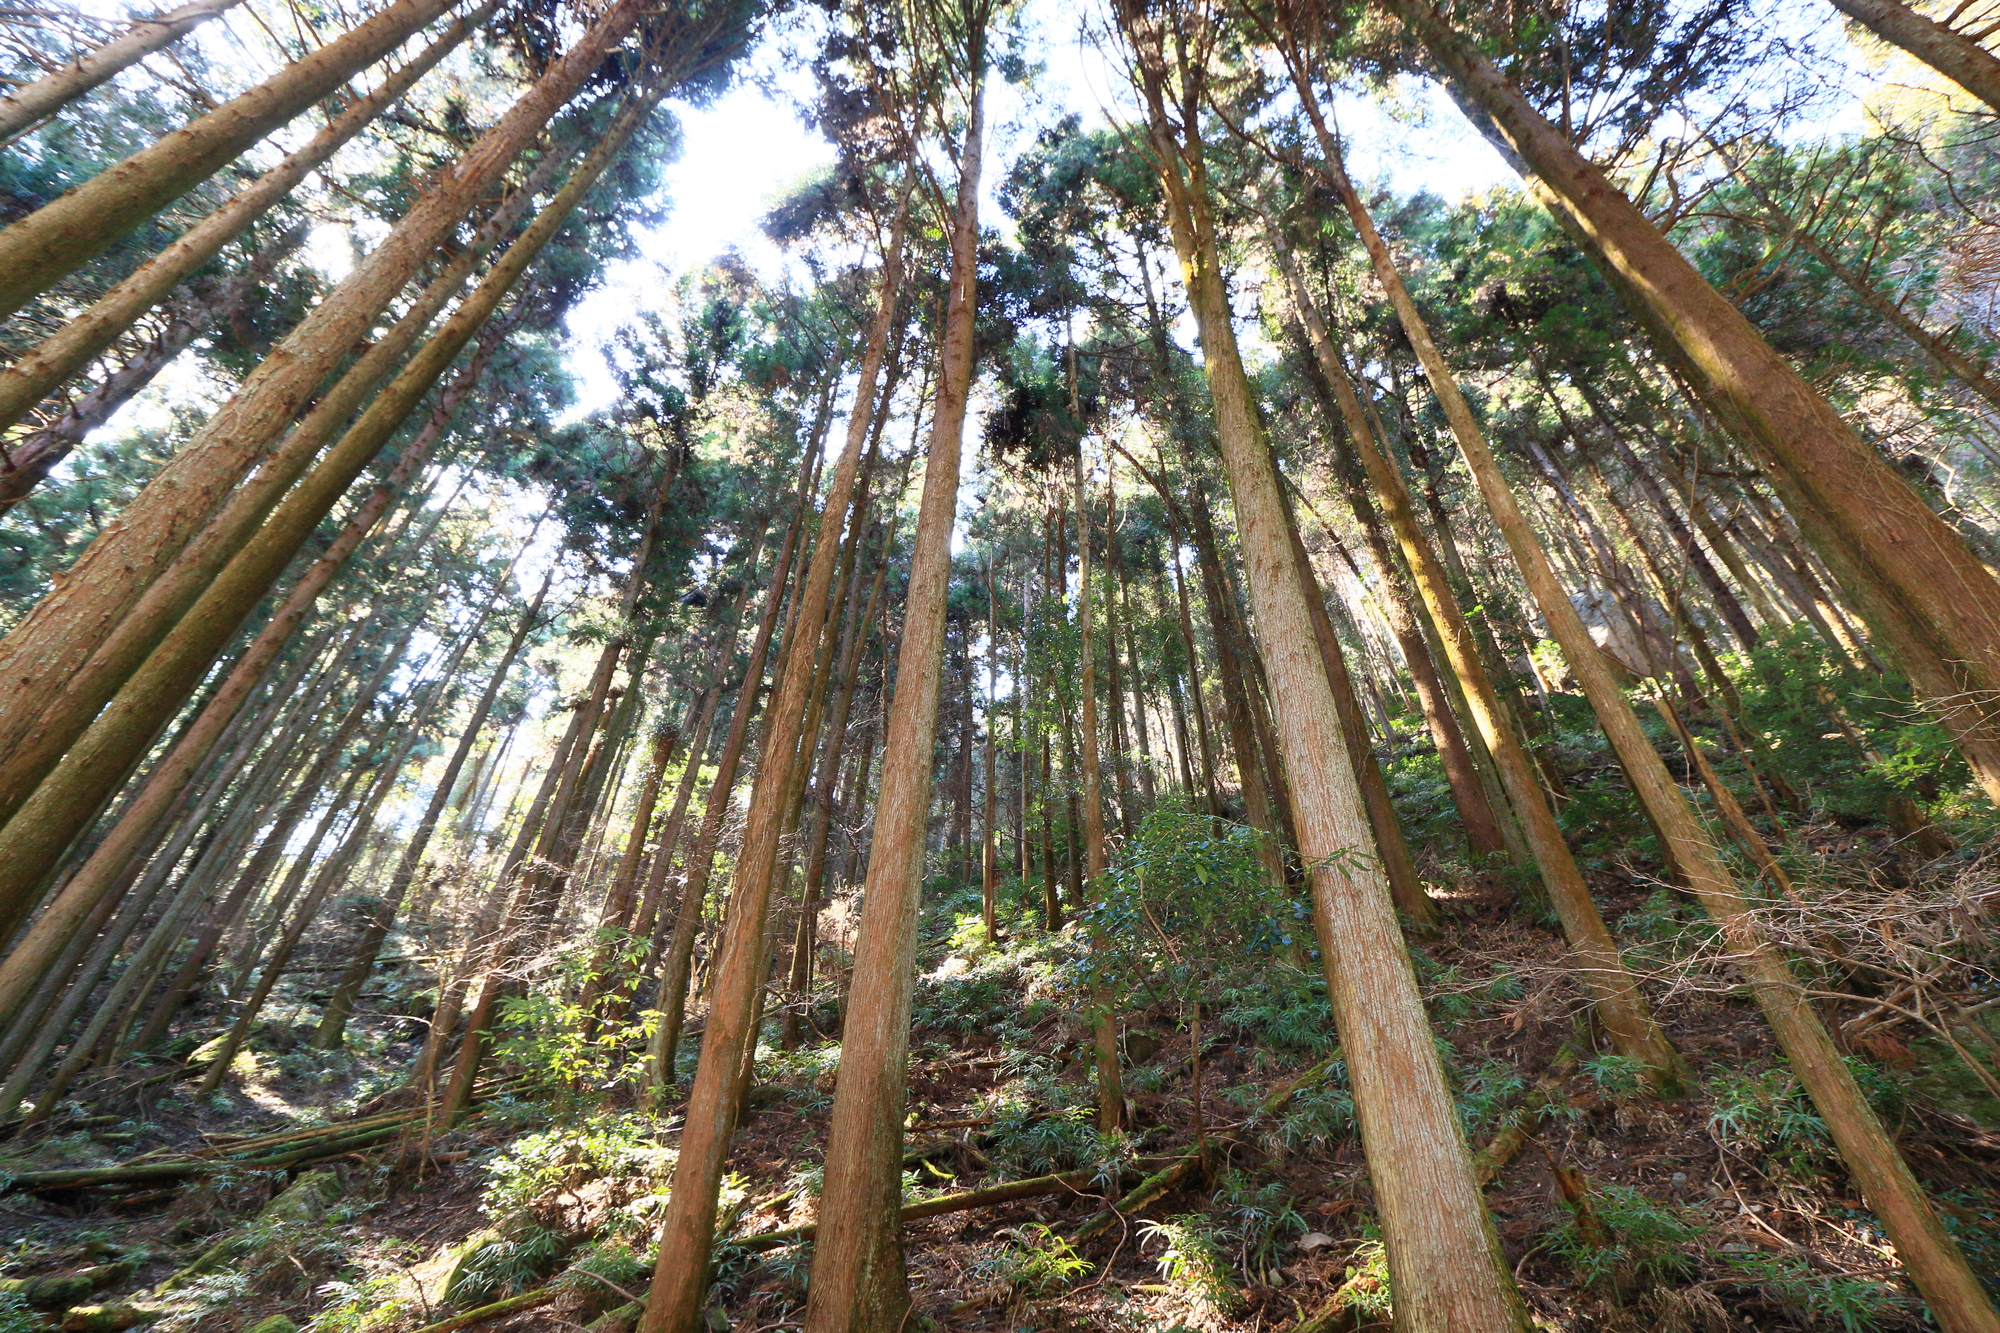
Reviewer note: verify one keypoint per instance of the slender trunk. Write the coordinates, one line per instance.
(60, 236)
(1104, 1028)
(858, 1282)
(1477, 815)
(101, 757)
(687, 1231)
(1926, 1249)
(989, 867)
(1443, 1255)
(332, 1030)
(29, 460)
(1623, 1009)
(1924, 594)
(43, 97)
(37, 372)
(148, 536)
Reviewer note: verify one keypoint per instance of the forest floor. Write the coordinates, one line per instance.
(1722, 1209)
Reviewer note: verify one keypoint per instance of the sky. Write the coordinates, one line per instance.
(746, 149)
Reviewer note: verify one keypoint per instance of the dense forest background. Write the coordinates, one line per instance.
(1094, 723)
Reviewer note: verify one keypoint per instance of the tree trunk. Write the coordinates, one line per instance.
(1926, 1249)
(53, 641)
(115, 740)
(1958, 57)
(858, 1282)
(332, 1030)
(59, 237)
(40, 370)
(1104, 1029)
(1623, 1009)
(43, 97)
(1443, 1255)
(681, 1277)
(1925, 595)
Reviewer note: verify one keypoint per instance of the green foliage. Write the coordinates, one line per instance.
(505, 1262)
(1486, 1094)
(1035, 1260)
(1768, 1114)
(1615, 1075)
(1261, 1219)
(1367, 1286)
(1191, 1257)
(1184, 904)
(15, 1316)
(553, 1040)
(1649, 1242)
(538, 1173)
(1827, 1300)
(355, 1306)
(1797, 695)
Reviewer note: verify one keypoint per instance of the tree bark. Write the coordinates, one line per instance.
(37, 372)
(1928, 599)
(43, 97)
(1958, 57)
(858, 1281)
(59, 237)
(1443, 1255)
(687, 1231)
(49, 645)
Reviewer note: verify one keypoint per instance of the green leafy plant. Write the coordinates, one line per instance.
(1191, 1258)
(1035, 1260)
(1261, 1219)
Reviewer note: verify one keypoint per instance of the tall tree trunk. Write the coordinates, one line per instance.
(43, 97)
(1953, 54)
(1926, 1249)
(53, 641)
(30, 459)
(1104, 1027)
(681, 1276)
(1925, 595)
(37, 372)
(858, 1281)
(114, 741)
(1443, 1255)
(1623, 1009)
(60, 236)
(989, 866)
(332, 1030)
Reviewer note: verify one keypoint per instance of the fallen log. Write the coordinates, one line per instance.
(1033, 1188)
(527, 1300)
(1147, 1190)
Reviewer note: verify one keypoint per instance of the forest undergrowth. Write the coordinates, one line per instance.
(1238, 1200)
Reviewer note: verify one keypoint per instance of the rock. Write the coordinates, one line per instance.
(105, 1318)
(1314, 1240)
(304, 1200)
(464, 1254)
(60, 1291)
(277, 1323)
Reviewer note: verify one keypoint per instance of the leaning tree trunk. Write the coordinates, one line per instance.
(1958, 57)
(1927, 1251)
(37, 372)
(1444, 1258)
(31, 458)
(32, 744)
(52, 643)
(858, 1280)
(43, 97)
(59, 237)
(1925, 595)
(104, 754)
(332, 1030)
(681, 1277)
